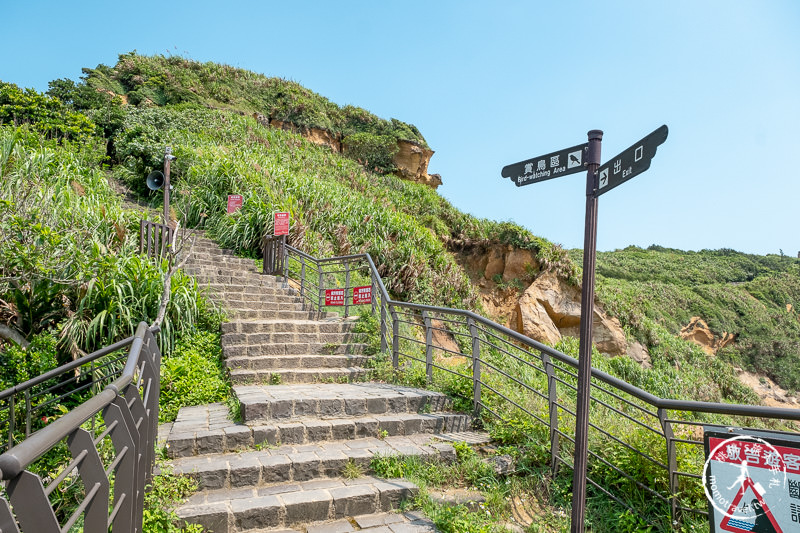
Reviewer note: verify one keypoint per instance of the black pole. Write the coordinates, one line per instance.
(168, 157)
(585, 352)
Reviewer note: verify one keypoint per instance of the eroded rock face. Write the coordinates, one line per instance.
(639, 353)
(550, 308)
(698, 332)
(520, 264)
(412, 161)
(411, 158)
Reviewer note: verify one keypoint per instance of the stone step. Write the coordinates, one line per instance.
(286, 505)
(265, 305)
(288, 326)
(302, 462)
(207, 429)
(299, 375)
(237, 281)
(385, 522)
(247, 294)
(296, 362)
(250, 314)
(288, 337)
(249, 300)
(260, 402)
(293, 348)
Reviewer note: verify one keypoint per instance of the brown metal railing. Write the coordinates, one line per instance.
(155, 239)
(110, 438)
(506, 376)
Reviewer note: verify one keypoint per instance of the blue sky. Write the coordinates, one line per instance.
(490, 84)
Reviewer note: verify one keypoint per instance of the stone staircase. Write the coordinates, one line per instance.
(300, 458)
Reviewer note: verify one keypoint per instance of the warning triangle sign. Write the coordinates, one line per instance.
(762, 522)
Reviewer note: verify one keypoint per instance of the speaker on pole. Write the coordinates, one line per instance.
(155, 180)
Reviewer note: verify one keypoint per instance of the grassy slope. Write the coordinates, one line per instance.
(734, 292)
(408, 227)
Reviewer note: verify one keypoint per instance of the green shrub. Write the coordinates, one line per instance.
(373, 151)
(193, 374)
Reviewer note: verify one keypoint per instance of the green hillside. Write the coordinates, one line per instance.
(71, 279)
(204, 111)
(754, 297)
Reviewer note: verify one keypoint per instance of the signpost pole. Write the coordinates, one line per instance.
(168, 157)
(585, 351)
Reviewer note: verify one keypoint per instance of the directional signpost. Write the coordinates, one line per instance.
(599, 180)
(548, 166)
(630, 163)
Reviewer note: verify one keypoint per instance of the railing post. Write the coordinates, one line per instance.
(27, 413)
(476, 367)
(142, 226)
(303, 280)
(346, 288)
(428, 346)
(672, 463)
(372, 292)
(552, 402)
(321, 289)
(11, 422)
(384, 343)
(284, 261)
(395, 339)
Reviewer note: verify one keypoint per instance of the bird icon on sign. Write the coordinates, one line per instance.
(574, 159)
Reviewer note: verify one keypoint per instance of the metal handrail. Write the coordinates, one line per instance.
(129, 410)
(484, 331)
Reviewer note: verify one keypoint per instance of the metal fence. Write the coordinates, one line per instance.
(155, 239)
(646, 452)
(106, 441)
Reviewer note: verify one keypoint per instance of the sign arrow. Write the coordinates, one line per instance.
(630, 163)
(548, 166)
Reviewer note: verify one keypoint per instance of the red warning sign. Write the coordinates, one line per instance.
(362, 295)
(334, 296)
(281, 224)
(234, 202)
(752, 481)
(762, 519)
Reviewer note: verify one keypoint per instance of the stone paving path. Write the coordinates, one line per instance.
(299, 460)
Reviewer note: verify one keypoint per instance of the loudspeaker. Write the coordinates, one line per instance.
(155, 180)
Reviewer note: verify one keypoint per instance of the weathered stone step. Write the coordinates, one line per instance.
(282, 362)
(268, 304)
(301, 462)
(300, 375)
(287, 326)
(248, 300)
(249, 314)
(260, 402)
(384, 522)
(242, 294)
(207, 429)
(251, 339)
(285, 505)
(292, 348)
(237, 281)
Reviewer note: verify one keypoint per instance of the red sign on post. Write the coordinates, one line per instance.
(334, 296)
(362, 295)
(234, 202)
(281, 224)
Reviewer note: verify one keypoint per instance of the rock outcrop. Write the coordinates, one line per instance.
(541, 305)
(698, 332)
(411, 159)
(550, 309)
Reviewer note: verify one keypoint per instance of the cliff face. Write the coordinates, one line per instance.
(411, 158)
(536, 302)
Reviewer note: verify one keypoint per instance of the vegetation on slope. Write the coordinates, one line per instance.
(753, 297)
